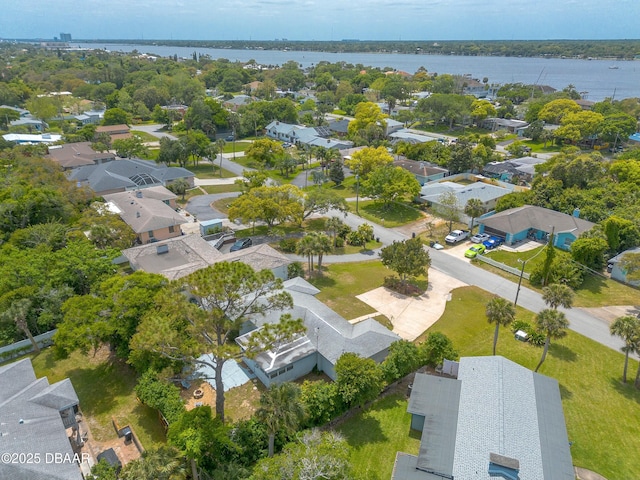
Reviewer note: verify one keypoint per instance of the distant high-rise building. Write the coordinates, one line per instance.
(65, 37)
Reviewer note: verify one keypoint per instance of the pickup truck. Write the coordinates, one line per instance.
(456, 236)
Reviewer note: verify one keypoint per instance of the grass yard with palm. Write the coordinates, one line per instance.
(602, 415)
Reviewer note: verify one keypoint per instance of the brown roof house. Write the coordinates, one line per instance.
(74, 155)
(38, 424)
(116, 132)
(149, 212)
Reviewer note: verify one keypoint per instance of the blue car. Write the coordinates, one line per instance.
(493, 242)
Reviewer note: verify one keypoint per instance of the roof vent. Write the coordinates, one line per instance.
(138, 194)
(137, 214)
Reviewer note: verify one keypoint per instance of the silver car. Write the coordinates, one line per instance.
(480, 237)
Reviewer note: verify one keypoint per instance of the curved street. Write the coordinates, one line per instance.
(580, 320)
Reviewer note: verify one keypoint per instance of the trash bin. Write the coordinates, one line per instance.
(432, 243)
(413, 234)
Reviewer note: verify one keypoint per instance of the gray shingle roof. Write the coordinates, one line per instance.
(499, 407)
(522, 218)
(31, 423)
(119, 174)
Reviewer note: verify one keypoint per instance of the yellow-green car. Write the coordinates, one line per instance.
(475, 251)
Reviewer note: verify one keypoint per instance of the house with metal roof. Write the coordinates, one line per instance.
(618, 272)
(127, 174)
(487, 193)
(34, 418)
(529, 221)
(74, 155)
(408, 136)
(497, 419)
(302, 135)
(32, 139)
(151, 213)
(327, 337)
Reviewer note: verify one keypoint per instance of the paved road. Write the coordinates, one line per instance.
(580, 321)
(154, 130)
(200, 206)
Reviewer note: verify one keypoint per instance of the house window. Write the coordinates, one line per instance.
(150, 233)
(290, 367)
(167, 202)
(172, 229)
(273, 375)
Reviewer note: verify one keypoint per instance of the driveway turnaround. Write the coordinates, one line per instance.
(411, 316)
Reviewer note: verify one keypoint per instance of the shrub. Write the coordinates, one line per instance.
(158, 394)
(404, 357)
(520, 325)
(436, 348)
(339, 242)
(288, 245)
(294, 270)
(536, 338)
(322, 402)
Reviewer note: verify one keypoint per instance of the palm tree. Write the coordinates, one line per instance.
(333, 225)
(306, 246)
(323, 245)
(220, 143)
(165, 463)
(501, 312)
(628, 329)
(557, 295)
(474, 208)
(553, 324)
(18, 311)
(280, 410)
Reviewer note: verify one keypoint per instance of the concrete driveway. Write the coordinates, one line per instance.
(411, 316)
(200, 206)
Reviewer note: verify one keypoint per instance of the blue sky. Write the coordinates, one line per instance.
(322, 19)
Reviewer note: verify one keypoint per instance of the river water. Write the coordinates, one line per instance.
(595, 79)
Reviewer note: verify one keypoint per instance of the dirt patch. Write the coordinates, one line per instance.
(610, 313)
(240, 402)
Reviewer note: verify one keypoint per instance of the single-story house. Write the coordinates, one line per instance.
(405, 135)
(393, 126)
(423, 171)
(180, 256)
(31, 123)
(149, 212)
(20, 111)
(74, 155)
(339, 127)
(529, 221)
(116, 132)
(127, 174)
(237, 102)
(38, 422)
(507, 124)
(486, 192)
(497, 419)
(302, 135)
(619, 273)
(523, 168)
(327, 337)
(32, 139)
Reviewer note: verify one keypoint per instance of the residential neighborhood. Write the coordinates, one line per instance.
(214, 269)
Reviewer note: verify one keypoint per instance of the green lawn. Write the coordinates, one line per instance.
(377, 434)
(146, 137)
(394, 215)
(240, 146)
(340, 283)
(226, 188)
(596, 291)
(602, 414)
(105, 388)
(538, 147)
(206, 170)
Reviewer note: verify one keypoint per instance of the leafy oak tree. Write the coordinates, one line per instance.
(407, 258)
(388, 183)
(221, 299)
(359, 380)
(364, 161)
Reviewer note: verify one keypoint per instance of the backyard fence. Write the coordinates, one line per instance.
(24, 346)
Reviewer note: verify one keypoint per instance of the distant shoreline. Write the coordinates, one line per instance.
(570, 49)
